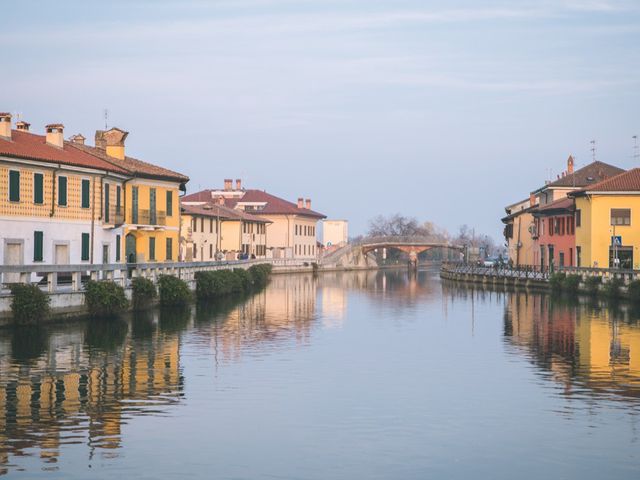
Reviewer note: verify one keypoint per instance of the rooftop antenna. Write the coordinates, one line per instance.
(636, 149)
(593, 150)
(106, 118)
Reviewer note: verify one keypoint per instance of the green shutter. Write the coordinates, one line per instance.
(38, 188)
(152, 248)
(118, 193)
(152, 206)
(134, 204)
(85, 246)
(85, 193)
(62, 191)
(169, 255)
(106, 203)
(37, 246)
(14, 185)
(117, 248)
(169, 203)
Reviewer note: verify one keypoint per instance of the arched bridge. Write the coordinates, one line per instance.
(411, 245)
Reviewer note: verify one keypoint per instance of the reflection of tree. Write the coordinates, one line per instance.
(106, 333)
(28, 343)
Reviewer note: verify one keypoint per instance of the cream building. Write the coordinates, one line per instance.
(335, 233)
(291, 231)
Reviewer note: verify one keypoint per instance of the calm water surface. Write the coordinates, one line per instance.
(345, 376)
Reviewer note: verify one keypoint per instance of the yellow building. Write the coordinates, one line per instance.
(151, 220)
(518, 232)
(213, 232)
(607, 233)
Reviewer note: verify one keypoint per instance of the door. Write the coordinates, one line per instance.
(61, 254)
(130, 248)
(13, 254)
(105, 253)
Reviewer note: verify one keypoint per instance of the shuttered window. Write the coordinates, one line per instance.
(118, 248)
(152, 206)
(37, 246)
(134, 204)
(106, 202)
(14, 185)
(85, 202)
(169, 203)
(169, 255)
(62, 191)
(620, 216)
(578, 218)
(38, 188)
(85, 247)
(152, 248)
(118, 194)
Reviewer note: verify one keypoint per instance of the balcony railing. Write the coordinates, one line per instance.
(114, 220)
(150, 217)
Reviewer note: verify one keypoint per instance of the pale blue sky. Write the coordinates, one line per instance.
(444, 110)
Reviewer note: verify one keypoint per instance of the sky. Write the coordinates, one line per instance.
(442, 110)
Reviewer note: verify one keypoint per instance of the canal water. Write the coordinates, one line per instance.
(368, 375)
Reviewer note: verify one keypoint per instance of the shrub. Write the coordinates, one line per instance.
(592, 285)
(173, 291)
(244, 278)
(612, 287)
(260, 274)
(104, 298)
(221, 282)
(555, 282)
(143, 293)
(571, 283)
(29, 304)
(634, 291)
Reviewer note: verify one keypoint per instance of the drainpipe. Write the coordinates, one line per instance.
(179, 246)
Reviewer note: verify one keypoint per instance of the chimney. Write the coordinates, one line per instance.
(300, 202)
(5, 125)
(570, 165)
(54, 134)
(238, 184)
(78, 139)
(22, 126)
(532, 199)
(112, 142)
(227, 184)
(221, 200)
(308, 204)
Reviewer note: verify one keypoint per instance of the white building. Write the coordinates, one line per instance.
(335, 233)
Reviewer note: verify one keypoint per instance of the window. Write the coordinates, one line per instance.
(195, 251)
(169, 203)
(169, 255)
(152, 206)
(550, 227)
(556, 226)
(118, 203)
(211, 250)
(578, 218)
(202, 224)
(62, 191)
(134, 205)
(562, 259)
(84, 201)
(118, 247)
(14, 186)
(152, 248)
(578, 256)
(37, 246)
(211, 225)
(194, 225)
(106, 202)
(38, 188)
(620, 216)
(85, 247)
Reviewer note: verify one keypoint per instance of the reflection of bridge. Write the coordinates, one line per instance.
(412, 245)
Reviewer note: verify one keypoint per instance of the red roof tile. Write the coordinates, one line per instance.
(219, 211)
(589, 174)
(273, 205)
(628, 181)
(34, 147)
(563, 205)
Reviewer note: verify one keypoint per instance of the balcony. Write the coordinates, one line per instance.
(116, 219)
(151, 217)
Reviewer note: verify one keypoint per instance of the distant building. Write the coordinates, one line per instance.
(518, 233)
(291, 232)
(335, 233)
(555, 233)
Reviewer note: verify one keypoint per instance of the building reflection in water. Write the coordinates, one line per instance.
(590, 349)
(79, 384)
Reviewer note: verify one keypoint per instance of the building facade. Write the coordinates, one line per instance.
(555, 234)
(58, 205)
(335, 233)
(291, 230)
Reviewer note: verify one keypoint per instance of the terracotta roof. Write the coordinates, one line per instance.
(628, 181)
(563, 205)
(133, 165)
(212, 210)
(34, 147)
(589, 174)
(273, 205)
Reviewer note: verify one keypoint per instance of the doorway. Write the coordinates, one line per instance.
(13, 255)
(130, 248)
